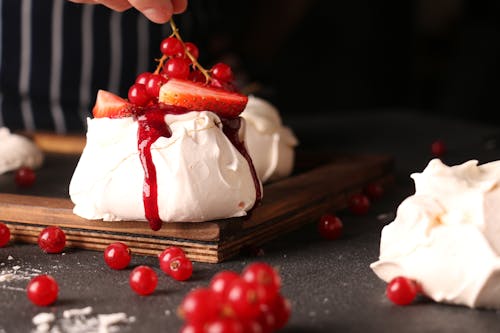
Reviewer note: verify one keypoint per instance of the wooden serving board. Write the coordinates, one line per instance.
(287, 205)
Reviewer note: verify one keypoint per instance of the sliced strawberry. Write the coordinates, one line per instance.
(197, 96)
(112, 106)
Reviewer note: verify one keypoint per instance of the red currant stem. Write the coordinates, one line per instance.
(175, 32)
(161, 61)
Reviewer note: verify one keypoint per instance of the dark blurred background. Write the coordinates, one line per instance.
(309, 56)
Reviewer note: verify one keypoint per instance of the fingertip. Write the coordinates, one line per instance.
(179, 6)
(156, 15)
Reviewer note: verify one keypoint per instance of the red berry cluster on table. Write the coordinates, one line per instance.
(232, 302)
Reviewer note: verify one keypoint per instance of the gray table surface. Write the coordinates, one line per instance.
(329, 283)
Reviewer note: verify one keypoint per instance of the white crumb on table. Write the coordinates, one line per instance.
(80, 320)
(43, 321)
(77, 312)
(386, 216)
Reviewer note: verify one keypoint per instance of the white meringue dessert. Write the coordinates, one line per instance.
(446, 236)
(270, 144)
(18, 151)
(201, 176)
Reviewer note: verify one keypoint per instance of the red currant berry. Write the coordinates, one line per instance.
(220, 282)
(222, 72)
(266, 319)
(359, 204)
(25, 177)
(198, 306)
(222, 85)
(192, 49)
(225, 325)
(52, 239)
(143, 280)
(154, 84)
(192, 328)
(117, 255)
(197, 76)
(143, 78)
(264, 278)
(171, 47)
(168, 254)
(253, 326)
(177, 68)
(438, 148)
(374, 191)
(138, 95)
(181, 268)
(243, 298)
(282, 310)
(330, 227)
(401, 290)
(4, 234)
(42, 290)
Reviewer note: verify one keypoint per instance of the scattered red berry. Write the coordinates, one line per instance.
(265, 279)
(374, 191)
(42, 290)
(282, 310)
(198, 307)
(330, 227)
(52, 239)
(438, 148)
(224, 325)
(168, 254)
(117, 255)
(220, 282)
(4, 234)
(249, 302)
(143, 280)
(192, 328)
(25, 177)
(180, 268)
(359, 204)
(401, 290)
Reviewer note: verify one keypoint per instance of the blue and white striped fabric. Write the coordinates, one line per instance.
(55, 55)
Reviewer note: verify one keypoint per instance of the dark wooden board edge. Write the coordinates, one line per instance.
(311, 193)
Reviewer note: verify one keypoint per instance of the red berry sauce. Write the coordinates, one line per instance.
(151, 127)
(231, 127)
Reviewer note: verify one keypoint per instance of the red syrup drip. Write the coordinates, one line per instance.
(152, 126)
(231, 128)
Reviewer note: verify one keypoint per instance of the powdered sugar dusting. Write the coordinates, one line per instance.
(82, 321)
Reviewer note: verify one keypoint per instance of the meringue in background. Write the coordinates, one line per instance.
(17, 151)
(447, 235)
(201, 176)
(270, 144)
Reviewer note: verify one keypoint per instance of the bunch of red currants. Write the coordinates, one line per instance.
(180, 61)
(246, 302)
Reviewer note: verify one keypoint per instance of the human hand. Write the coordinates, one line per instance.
(158, 11)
